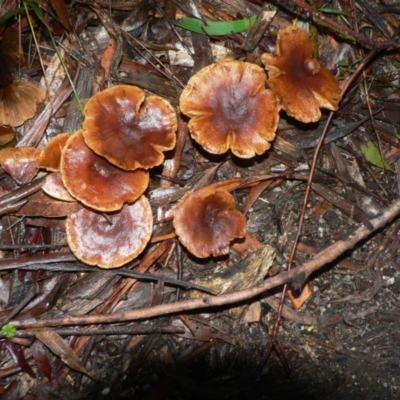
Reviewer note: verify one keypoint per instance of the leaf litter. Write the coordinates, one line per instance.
(153, 329)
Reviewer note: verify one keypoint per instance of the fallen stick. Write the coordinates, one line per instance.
(297, 276)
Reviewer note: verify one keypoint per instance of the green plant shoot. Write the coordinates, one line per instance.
(216, 28)
(10, 14)
(331, 11)
(9, 330)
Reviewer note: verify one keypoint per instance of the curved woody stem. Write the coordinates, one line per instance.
(275, 329)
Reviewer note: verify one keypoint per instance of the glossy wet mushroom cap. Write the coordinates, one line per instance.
(95, 182)
(111, 240)
(50, 158)
(207, 221)
(298, 79)
(129, 129)
(230, 108)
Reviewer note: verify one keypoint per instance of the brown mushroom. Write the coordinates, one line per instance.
(18, 98)
(230, 108)
(299, 80)
(112, 240)
(7, 134)
(18, 102)
(54, 187)
(51, 155)
(207, 221)
(129, 130)
(94, 181)
(20, 162)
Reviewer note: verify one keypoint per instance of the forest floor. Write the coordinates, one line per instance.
(71, 331)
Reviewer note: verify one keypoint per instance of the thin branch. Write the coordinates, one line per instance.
(299, 274)
(306, 11)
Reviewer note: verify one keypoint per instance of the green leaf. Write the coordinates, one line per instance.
(215, 28)
(10, 14)
(9, 330)
(38, 11)
(373, 155)
(332, 11)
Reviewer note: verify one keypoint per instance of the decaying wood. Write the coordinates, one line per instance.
(242, 275)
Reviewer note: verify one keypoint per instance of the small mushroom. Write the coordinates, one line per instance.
(128, 129)
(20, 162)
(51, 155)
(299, 80)
(7, 135)
(111, 240)
(207, 221)
(54, 187)
(18, 102)
(230, 108)
(50, 159)
(94, 181)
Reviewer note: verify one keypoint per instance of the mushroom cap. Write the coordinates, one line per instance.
(51, 155)
(20, 162)
(230, 108)
(299, 80)
(18, 102)
(129, 130)
(111, 240)
(7, 134)
(207, 221)
(54, 187)
(94, 181)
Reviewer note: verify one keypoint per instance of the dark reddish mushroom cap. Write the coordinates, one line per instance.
(18, 102)
(230, 108)
(129, 130)
(94, 181)
(299, 80)
(206, 222)
(51, 155)
(20, 162)
(110, 240)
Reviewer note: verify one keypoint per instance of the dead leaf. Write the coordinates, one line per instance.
(61, 10)
(18, 356)
(299, 299)
(41, 359)
(58, 346)
(41, 205)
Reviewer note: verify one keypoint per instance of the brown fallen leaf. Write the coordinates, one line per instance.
(41, 205)
(58, 346)
(299, 299)
(61, 10)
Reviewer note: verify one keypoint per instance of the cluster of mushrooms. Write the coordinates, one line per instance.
(105, 165)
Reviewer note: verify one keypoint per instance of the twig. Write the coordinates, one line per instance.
(118, 330)
(20, 193)
(61, 260)
(299, 275)
(306, 11)
(296, 241)
(28, 297)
